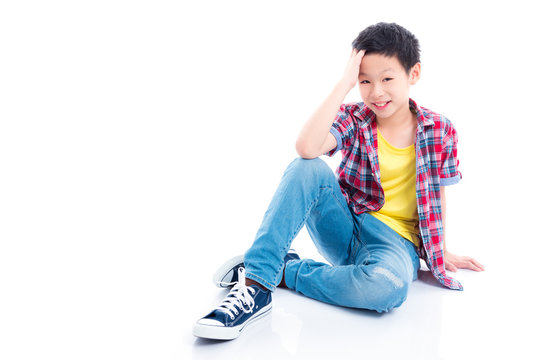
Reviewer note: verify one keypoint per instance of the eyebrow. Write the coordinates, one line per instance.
(383, 71)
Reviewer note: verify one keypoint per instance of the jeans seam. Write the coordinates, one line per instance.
(347, 210)
(298, 228)
(353, 245)
(360, 227)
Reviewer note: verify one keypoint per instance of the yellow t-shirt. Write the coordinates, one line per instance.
(398, 176)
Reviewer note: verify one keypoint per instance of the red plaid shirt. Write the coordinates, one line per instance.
(436, 165)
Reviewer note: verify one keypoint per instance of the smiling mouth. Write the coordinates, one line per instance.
(381, 105)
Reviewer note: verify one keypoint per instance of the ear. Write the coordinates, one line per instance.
(415, 74)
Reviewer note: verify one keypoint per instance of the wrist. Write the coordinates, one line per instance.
(344, 87)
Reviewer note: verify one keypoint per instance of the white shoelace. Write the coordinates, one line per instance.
(240, 297)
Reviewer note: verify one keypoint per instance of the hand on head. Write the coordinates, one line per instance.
(351, 72)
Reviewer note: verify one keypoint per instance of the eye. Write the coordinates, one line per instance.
(364, 82)
(388, 79)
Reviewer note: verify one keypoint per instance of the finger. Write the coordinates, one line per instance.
(450, 267)
(478, 265)
(354, 52)
(470, 265)
(359, 57)
(360, 54)
(475, 268)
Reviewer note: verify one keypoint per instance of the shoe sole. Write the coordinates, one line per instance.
(224, 273)
(227, 333)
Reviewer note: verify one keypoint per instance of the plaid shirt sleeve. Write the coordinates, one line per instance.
(343, 128)
(449, 173)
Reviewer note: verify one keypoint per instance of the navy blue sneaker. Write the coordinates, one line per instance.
(242, 306)
(227, 275)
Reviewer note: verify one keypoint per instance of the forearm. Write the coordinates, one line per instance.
(314, 132)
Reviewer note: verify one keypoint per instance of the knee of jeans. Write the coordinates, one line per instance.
(384, 290)
(309, 167)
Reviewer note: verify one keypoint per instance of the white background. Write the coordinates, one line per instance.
(141, 142)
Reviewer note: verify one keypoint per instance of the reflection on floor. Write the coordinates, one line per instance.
(434, 323)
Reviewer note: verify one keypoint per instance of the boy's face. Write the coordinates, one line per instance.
(384, 85)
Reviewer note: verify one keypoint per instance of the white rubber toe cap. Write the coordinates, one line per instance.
(210, 322)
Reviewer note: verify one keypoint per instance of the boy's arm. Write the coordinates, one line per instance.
(315, 138)
(454, 262)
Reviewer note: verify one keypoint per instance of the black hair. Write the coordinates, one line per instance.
(389, 40)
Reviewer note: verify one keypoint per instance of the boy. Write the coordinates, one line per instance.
(383, 211)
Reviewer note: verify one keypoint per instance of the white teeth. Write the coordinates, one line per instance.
(381, 104)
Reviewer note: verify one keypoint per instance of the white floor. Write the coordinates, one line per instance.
(139, 301)
(491, 318)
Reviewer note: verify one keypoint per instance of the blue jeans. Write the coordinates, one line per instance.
(371, 265)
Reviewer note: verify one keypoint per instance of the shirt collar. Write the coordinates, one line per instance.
(422, 120)
(366, 116)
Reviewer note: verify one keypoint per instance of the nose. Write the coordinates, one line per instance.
(377, 90)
